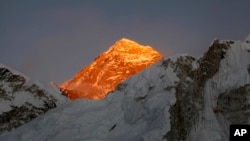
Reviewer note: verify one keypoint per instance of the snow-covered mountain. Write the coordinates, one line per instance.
(177, 98)
(123, 59)
(22, 99)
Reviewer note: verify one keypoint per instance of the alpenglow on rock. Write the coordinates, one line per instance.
(121, 60)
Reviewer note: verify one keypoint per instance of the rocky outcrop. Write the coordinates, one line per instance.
(188, 99)
(22, 99)
(190, 92)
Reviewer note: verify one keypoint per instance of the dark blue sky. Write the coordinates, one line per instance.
(50, 40)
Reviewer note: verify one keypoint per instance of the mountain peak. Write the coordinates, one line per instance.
(126, 45)
(126, 41)
(123, 59)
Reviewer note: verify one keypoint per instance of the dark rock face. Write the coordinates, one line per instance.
(188, 100)
(190, 92)
(21, 100)
(234, 103)
(210, 62)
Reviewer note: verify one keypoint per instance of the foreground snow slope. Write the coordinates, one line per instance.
(138, 108)
(178, 98)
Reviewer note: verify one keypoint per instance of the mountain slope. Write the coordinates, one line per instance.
(177, 98)
(22, 99)
(121, 60)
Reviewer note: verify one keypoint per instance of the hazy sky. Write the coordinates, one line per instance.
(51, 40)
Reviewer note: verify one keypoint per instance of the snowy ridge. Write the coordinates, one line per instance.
(15, 72)
(23, 99)
(177, 98)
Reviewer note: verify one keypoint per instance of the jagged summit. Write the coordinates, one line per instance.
(131, 51)
(123, 44)
(123, 59)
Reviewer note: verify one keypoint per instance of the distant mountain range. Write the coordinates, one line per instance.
(177, 98)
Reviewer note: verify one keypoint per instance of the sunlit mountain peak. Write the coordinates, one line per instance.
(125, 45)
(123, 59)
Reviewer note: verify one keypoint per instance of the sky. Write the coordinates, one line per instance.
(51, 40)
